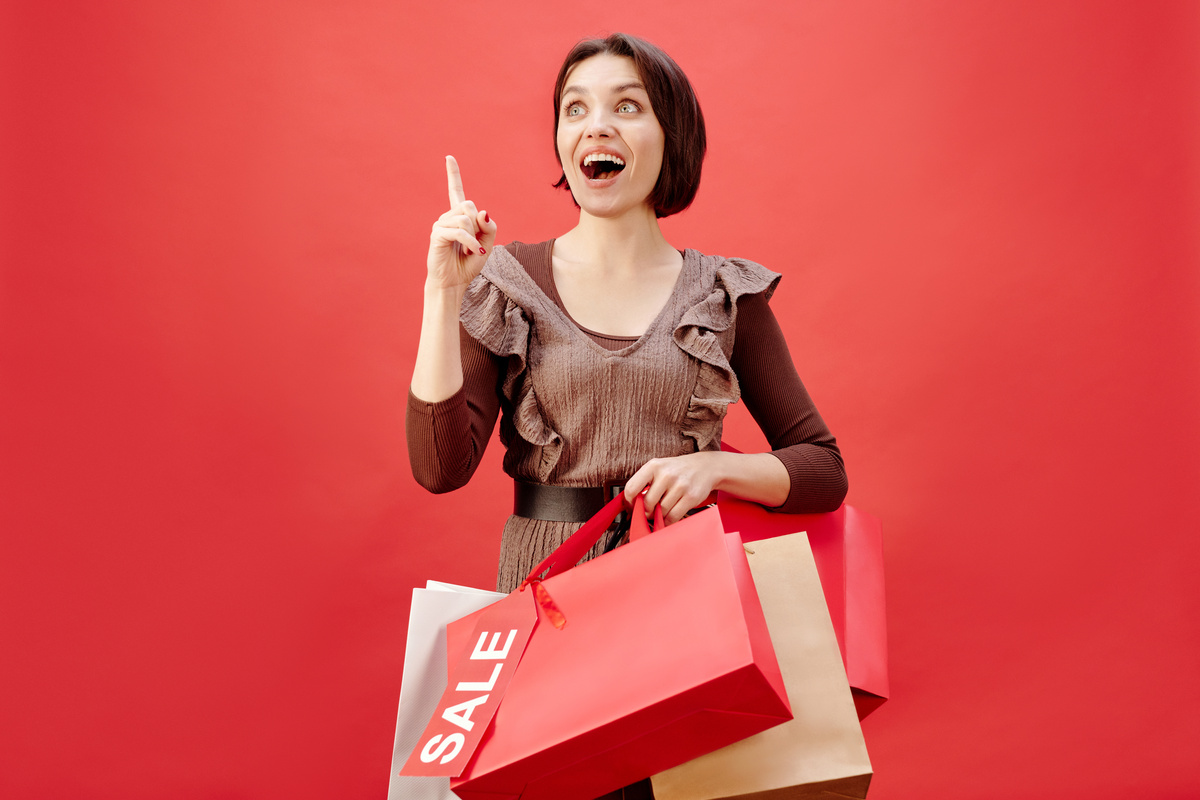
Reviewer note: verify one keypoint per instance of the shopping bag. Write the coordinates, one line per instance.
(820, 752)
(848, 547)
(424, 678)
(642, 659)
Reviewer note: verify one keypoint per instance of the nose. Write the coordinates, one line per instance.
(600, 125)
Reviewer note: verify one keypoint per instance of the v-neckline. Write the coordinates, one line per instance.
(631, 341)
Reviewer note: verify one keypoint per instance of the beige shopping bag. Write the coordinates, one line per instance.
(819, 753)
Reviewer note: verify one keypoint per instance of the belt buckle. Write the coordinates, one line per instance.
(620, 525)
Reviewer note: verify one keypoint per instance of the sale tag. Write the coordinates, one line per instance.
(477, 684)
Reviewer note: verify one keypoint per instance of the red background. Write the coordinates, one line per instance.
(214, 225)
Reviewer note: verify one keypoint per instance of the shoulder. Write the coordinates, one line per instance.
(500, 303)
(528, 254)
(721, 287)
(507, 271)
(738, 277)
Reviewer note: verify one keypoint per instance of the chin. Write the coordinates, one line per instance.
(611, 210)
(602, 212)
(606, 204)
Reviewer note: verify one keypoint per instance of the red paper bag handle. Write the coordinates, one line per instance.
(579, 543)
(576, 546)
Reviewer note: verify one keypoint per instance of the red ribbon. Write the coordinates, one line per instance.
(546, 602)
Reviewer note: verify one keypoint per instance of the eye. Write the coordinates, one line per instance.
(573, 110)
(628, 107)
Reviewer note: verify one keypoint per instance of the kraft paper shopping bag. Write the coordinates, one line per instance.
(848, 547)
(820, 753)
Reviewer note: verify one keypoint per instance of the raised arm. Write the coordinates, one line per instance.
(458, 247)
(452, 403)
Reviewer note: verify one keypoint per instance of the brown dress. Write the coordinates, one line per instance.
(580, 409)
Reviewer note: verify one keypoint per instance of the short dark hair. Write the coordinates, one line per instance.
(675, 106)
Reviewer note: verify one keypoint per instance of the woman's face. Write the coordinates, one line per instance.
(609, 140)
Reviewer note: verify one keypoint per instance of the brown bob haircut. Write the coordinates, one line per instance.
(675, 106)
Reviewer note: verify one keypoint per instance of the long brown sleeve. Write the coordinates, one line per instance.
(446, 439)
(782, 407)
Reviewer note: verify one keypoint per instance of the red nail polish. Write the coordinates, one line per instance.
(482, 252)
(486, 218)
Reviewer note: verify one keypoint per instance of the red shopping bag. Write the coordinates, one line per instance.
(848, 547)
(663, 655)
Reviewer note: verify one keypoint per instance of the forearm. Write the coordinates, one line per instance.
(438, 373)
(458, 245)
(758, 477)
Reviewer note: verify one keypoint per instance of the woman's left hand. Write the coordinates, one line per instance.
(681, 483)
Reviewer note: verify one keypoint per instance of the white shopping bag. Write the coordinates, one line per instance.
(424, 678)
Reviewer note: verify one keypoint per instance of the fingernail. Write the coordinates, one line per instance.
(482, 252)
(486, 218)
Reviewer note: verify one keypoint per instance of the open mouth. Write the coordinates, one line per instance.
(601, 166)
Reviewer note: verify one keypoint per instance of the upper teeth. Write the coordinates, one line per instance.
(588, 159)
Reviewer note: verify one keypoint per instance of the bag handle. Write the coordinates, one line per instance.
(569, 553)
(576, 546)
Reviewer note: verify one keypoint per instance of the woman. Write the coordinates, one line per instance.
(610, 354)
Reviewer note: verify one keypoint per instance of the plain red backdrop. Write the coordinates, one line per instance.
(214, 223)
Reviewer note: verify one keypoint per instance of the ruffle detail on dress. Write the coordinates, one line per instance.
(705, 331)
(493, 319)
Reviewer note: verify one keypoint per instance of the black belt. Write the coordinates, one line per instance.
(561, 503)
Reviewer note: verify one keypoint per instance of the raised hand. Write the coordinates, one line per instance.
(461, 238)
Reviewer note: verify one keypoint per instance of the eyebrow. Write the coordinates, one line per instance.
(624, 87)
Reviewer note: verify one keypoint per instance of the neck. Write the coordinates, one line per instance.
(616, 245)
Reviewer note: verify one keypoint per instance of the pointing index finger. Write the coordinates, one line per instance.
(454, 179)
